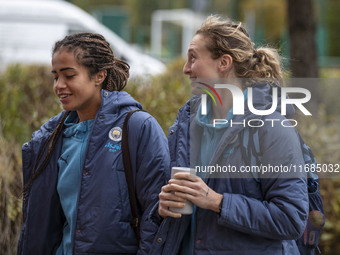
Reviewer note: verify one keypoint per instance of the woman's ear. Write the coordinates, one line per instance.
(100, 77)
(226, 62)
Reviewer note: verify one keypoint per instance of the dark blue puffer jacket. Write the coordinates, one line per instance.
(103, 209)
(257, 217)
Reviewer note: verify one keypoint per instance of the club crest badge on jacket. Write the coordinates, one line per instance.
(115, 134)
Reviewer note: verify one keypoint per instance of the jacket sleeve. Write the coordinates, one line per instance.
(30, 153)
(283, 212)
(152, 166)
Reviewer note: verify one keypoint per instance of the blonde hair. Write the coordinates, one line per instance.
(227, 37)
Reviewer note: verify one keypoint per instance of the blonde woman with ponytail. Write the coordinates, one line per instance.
(76, 199)
(234, 212)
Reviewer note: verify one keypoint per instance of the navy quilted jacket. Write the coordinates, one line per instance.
(103, 210)
(257, 217)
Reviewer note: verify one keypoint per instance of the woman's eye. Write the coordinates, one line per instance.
(55, 78)
(70, 76)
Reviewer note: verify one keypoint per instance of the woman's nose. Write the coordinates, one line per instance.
(186, 68)
(59, 83)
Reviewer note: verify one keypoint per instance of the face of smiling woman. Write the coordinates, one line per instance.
(74, 87)
(200, 63)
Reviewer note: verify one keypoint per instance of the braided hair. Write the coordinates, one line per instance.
(94, 53)
(49, 145)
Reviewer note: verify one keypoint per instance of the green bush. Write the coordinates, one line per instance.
(26, 101)
(163, 95)
(10, 196)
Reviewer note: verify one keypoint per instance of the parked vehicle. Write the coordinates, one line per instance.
(28, 30)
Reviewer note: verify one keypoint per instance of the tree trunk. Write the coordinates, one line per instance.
(303, 49)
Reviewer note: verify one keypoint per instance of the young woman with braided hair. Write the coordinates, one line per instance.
(234, 212)
(76, 199)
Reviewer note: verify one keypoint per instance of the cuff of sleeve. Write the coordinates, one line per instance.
(225, 207)
(154, 216)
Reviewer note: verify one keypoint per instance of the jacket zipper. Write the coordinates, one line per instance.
(80, 183)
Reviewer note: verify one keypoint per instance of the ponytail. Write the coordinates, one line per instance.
(117, 76)
(227, 37)
(264, 63)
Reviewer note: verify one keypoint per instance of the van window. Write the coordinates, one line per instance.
(19, 41)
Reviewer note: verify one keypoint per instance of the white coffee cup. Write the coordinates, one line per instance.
(188, 208)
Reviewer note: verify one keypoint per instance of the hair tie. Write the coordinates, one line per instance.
(255, 54)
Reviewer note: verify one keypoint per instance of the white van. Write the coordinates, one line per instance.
(29, 29)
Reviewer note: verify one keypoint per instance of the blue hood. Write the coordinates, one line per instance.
(263, 99)
(117, 100)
